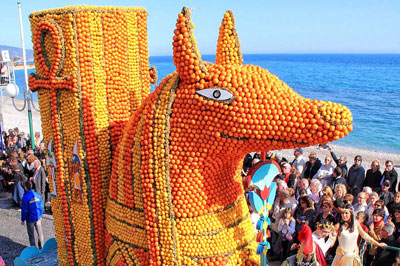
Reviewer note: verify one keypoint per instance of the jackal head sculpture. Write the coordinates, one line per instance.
(176, 194)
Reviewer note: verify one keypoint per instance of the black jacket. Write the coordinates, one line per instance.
(392, 177)
(339, 180)
(386, 196)
(355, 178)
(311, 170)
(385, 256)
(342, 166)
(373, 180)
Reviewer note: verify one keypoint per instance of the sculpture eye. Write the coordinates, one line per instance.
(216, 94)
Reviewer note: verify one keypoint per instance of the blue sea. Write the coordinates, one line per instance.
(366, 83)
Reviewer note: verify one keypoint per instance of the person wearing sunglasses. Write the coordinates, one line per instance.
(384, 192)
(390, 174)
(356, 175)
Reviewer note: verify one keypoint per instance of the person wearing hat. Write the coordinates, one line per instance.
(385, 256)
(384, 192)
(309, 253)
(312, 166)
(299, 161)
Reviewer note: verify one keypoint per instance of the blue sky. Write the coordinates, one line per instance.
(279, 26)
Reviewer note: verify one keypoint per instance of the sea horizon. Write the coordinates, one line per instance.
(363, 82)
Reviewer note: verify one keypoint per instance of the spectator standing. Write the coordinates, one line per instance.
(341, 162)
(361, 205)
(31, 213)
(374, 176)
(40, 154)
(299, 161)
(305, 213)
(288, 176)
(391, 175)
(37, 139)
(19, 188)
(384, 192)
(396, 221)
(312, 166)
(385, 256)
(356, 175)
(324, 174)
(39, 179)
(337, 178)
(375, 232)
(394, 204)
(21, 143)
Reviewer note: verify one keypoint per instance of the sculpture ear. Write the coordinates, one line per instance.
(186, 55)
(228, 45)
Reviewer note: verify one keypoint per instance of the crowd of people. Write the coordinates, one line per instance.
(350, 214)
(23, 173)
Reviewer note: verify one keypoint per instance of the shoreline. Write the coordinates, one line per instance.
(12, 118)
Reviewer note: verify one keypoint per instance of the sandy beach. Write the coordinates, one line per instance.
(17, 241)
(12, 118)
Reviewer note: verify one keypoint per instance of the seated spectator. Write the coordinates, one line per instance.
(384, 192)
(312, 166)
(395, 203)
(325, 172)
(391, 175)
(341, 162)
(385, 256)
(373, 176)
(299, 161)
(356, 175)
(361, 205)
(337, 178)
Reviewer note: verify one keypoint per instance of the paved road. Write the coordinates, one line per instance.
(13, 235)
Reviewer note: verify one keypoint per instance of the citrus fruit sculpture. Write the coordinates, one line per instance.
(154, 179)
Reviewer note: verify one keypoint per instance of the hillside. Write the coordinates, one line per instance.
(16, 53)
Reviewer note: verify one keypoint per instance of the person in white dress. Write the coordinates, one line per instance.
(348, 230)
